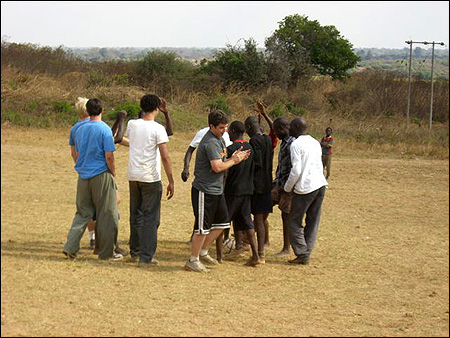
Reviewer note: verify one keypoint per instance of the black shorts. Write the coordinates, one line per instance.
(262, 204)
(239, 211)
(210, 212)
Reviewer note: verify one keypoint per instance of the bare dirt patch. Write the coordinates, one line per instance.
(380, 267)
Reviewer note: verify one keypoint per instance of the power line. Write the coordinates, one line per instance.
(410, 43)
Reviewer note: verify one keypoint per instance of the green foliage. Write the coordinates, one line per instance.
(98, 79)
(295, 110)
(64, 107)
(245, 66)
(132, 110)
(299, 44)
(162, 71)
(221, 104)
(277, 110)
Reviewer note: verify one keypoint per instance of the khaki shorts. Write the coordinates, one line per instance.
(282, 198)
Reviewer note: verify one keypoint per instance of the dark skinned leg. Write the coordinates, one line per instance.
(261, 234)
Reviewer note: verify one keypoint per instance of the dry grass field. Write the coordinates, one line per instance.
(380, 267)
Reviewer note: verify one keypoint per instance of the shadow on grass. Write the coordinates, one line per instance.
(168, 252)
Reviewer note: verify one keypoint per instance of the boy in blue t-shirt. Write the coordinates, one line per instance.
(96, 188)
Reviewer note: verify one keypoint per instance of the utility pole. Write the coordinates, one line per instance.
(410, 43)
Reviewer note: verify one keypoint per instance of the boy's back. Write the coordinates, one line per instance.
(263, 158)
(240, 177)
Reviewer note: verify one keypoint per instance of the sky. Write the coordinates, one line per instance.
(216, 24)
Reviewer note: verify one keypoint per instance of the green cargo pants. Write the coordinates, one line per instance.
(97, 196)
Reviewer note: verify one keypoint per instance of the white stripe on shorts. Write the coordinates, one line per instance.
(201, 211)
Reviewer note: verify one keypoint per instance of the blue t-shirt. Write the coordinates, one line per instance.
(92, 140)
(74, 129)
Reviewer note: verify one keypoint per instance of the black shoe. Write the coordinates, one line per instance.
(121, 251)
(69, 256)
(302, 259)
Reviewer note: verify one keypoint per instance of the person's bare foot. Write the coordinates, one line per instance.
(283, 253)
(253, 262)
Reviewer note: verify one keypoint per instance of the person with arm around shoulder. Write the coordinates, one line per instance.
(207, 194)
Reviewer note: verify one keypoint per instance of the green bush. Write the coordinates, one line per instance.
(221, 104)
(132, 110)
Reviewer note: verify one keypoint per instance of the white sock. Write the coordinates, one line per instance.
(203, 252)
(193, 259)
(92, 234)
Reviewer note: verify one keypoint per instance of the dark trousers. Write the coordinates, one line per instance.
(302, 237)
(145, 213)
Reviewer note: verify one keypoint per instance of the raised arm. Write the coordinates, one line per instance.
(262, 111)
(169, 123)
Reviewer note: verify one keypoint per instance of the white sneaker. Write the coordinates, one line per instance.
(116, 257)
(208, 260)
(196, 266)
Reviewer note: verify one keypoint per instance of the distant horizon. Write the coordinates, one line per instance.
(215, 24)
(446, 47)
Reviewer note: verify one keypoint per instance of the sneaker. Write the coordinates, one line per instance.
(302, 259)
(196, 266)
(121, 251)
(116, 257)
(92, 244)
(69, 255)
(144, 265)
(208, 260)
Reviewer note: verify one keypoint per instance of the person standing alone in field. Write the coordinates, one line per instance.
(327, 143)
(148, 147)
(308, 183)
(208, 200)
(96, 188)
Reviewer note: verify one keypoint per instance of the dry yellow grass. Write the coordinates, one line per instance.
(380, 267)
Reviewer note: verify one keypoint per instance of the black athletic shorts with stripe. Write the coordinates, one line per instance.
(210, 212)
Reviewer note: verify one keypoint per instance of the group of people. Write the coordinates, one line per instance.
(232, 181)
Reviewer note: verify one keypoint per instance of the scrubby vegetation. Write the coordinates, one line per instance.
(40, 85)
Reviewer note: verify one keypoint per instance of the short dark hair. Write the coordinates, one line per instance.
(329, 128)
(237, 127)
(281, 122)
(149, 103)
(217, 117)
(94, 107)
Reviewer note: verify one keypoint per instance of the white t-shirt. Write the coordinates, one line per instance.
(202, 132)
(144, 164)
(307, 170)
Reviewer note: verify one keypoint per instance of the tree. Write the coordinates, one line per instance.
(301, 47)
(162, 71)
(244, 65)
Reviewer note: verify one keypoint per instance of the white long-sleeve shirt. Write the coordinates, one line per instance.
(307, 170)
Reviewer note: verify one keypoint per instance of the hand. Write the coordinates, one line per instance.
(185, 175)
(260, 108)
(240, 155)
(170, 191)
(163, 107)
